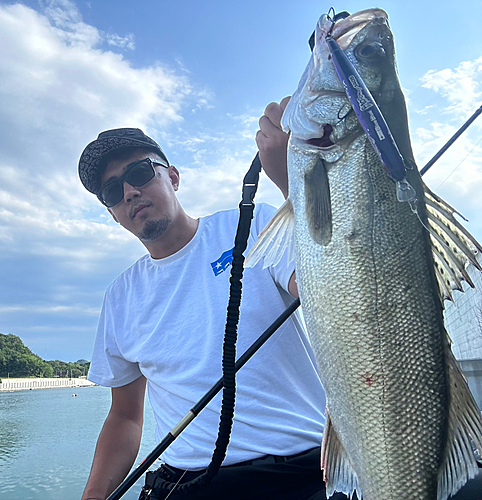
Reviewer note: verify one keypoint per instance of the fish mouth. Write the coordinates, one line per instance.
(346, 29)
(313, 113)
(324, 141)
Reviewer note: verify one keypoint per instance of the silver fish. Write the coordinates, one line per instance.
(372, 274)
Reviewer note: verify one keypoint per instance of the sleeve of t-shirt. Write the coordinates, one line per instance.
(281, 273)
(108, 367)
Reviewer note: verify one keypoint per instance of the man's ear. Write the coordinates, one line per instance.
(175, 177)
(113, 215)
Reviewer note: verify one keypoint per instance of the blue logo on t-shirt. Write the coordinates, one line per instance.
(223, 262)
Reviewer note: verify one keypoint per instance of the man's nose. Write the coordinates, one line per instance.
(130, 192)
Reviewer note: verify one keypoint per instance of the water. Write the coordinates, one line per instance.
(47, 442)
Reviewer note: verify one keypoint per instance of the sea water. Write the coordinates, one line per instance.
(47, 442)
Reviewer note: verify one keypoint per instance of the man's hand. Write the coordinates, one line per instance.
(272, 144)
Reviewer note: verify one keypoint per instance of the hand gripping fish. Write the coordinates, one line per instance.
(372, 274)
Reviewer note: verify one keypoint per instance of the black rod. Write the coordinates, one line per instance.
(449, 143)
(200, 405)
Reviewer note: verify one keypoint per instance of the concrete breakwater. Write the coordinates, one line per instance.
(26, 384)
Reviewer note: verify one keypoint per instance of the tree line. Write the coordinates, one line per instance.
(17, 360)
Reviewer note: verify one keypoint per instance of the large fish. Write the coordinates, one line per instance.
(372, 275)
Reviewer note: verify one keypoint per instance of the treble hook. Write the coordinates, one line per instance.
(332, 19)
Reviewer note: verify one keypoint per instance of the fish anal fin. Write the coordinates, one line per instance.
(338, 472)
(465, 432)
(275, 239)
(318, 204)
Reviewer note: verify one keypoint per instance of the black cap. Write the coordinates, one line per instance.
(108, 141)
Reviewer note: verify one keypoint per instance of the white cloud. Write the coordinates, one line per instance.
(62, 92)
(57, 93)
(457, 175)
(424, 110)
(65, 16)
(212, 177)
(62, 85)
(49, 310)
(124, 42)
(460, 86)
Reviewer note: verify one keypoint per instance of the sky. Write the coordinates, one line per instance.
(195, 76)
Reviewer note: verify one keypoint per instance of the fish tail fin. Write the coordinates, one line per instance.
(464, 435)
(453, 247)
(338, 472)
(275, 239)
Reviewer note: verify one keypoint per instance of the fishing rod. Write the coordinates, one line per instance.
(204, 401)
(457, 134)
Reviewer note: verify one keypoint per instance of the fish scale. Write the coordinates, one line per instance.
(374, 323)
(400, 418)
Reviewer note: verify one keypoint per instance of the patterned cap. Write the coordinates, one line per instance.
(106, 142)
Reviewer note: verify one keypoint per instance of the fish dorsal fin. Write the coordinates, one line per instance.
(318, 204)
(464, 431)
(338, 472)
(275, 239)
(453, 246)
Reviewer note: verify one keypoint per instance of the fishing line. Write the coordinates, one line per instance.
(413, 206)
(457, 134)
(468, 154)
(175, 485)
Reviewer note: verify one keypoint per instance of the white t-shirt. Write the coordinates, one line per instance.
(165, 319)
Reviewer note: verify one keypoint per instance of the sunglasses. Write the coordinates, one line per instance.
(137, 174)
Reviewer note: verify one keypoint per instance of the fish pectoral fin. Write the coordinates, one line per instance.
(338, 472)
(318, 203)
(275, 239)
(453, 246)
(465, 431)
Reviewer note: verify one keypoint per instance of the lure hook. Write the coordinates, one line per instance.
(332, 19)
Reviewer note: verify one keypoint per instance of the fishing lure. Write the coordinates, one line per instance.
(371, 119)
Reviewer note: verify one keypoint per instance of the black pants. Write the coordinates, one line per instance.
(291, 478)
(278, 478)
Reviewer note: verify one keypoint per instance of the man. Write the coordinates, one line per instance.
(162, 324)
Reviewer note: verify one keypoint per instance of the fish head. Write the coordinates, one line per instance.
(319, 115)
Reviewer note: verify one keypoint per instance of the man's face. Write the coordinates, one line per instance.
(146, 211)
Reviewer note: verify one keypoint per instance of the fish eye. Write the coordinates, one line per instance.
(367, 51)
(370, 51)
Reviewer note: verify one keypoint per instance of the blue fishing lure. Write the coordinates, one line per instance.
(372, 121)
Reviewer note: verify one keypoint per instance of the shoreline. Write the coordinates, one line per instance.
(29, 384)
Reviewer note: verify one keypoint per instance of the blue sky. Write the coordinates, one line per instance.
(195, 76)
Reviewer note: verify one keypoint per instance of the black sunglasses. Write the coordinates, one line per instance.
(137, 174)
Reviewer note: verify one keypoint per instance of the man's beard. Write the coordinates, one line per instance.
(154, 229)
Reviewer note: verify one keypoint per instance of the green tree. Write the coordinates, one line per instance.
(17, 360)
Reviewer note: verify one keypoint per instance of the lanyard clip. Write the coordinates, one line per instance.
(249, 190)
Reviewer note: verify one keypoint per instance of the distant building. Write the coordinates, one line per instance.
(463, 321)
(463, 318)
